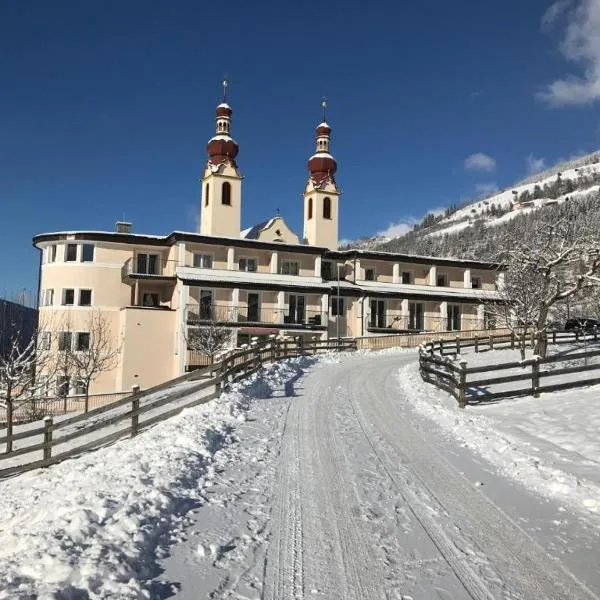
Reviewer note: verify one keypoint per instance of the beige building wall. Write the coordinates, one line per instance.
(319, 231)
(216, 218)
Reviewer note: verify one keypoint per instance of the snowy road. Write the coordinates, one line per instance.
(346, 498)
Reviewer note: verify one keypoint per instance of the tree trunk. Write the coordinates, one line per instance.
(9, 424)
(541, 343)
(86, 402)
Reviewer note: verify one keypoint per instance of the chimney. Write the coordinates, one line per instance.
(123, 227)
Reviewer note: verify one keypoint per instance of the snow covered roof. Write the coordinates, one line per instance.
(321, 155)
(253, 232)
(223, 105)
(225, 138)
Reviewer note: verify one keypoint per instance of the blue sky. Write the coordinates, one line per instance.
(106, 107)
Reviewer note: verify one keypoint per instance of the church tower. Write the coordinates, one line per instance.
(221, 196)
(321, 194)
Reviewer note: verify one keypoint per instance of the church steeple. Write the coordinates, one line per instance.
(321, 194)
(220, 212)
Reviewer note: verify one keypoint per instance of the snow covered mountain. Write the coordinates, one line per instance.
(566, 182)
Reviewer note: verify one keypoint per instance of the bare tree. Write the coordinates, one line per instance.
(92, 353)
(557, 261)
(210, 339)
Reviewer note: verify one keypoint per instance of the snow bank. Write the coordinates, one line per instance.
(549, 444)
(94, 526)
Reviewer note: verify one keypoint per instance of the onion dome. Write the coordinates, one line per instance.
(322, 165)
(222, 147)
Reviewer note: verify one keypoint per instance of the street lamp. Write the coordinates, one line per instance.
(337, 317)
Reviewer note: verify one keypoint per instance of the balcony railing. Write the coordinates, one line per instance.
(392, 321)
(150, 268)
(225, 313)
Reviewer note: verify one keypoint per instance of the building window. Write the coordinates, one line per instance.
(310, 208)
(290, 267)
(82, 341)
(407, 277)
(150, 299)
(370, 274)
(453, 317)
(65, 340)
(71, 253)
(415, 316)
(85, 297)
(45, 340)
(51, 253)
(87, 253)
(68, 297)
(206, 305)
(63, 383)
(78, 387)
(327, 270)
(226, 193)
(147, 264)
(377, 316)
(206, 190)
(203, 261)
(248, 264)
(476, 283)
(327, 208)
(338, 306)
(442, 280)
(47, 297)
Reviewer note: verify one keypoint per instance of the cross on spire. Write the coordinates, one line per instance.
(225, 84)
(324, 105)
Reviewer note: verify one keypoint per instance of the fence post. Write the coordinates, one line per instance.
(554, 337)
(441, 347)
(576, 335)
(135, 405)
(535, 377)
(457, 344)
(491, 342)
(476, 338)
(301, 345)
(512, 340)
(47, 438)
(595, 333)
(462, 384)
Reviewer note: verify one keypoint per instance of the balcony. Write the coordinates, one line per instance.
(149, 268)
(227, 314)
(395, 322)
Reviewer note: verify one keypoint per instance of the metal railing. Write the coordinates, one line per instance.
(159, 268)
(397, 321)
(225, 313)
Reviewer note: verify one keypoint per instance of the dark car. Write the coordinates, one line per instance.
(581, 324)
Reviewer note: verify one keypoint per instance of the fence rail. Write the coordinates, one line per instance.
(129, 415)
(439, 366)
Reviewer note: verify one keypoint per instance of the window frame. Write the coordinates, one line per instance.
(63, 336)
(71, 246)
(76, 340)
(327, 208)
(82, 252)
(202, 255)
(289, 262)
(64, 297)
(80, 290)
(51, 254)
(246, 259)
(309, 209)
(45, 341)
(151, 294)
(226, 197)
(147, 255)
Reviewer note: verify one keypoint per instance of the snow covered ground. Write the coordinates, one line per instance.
(318, 479)
(550, 444)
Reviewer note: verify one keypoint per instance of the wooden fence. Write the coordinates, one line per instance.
(128, 416)
(439, 366)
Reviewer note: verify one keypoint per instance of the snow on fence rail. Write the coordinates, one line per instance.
(440, 369)
(140, 410)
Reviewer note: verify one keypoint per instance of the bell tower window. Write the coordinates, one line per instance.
(310, 208)
(327, 208)
(206, 190)
(226, 194)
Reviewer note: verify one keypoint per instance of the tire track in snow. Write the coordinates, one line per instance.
(525, 568)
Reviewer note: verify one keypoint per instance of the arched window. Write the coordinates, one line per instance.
(309, 209)
(206, 190)
(327, 208)
(226, 194)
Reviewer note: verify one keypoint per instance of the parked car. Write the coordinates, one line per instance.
(581, 324)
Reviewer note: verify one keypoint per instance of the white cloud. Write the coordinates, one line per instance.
(551, 16)
(581, 44)
(535, 165)
(483, 189)
(400, 228)
(436, 212)
(480, 162)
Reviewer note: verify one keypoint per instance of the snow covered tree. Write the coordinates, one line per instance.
(210, 339)
(556, 261)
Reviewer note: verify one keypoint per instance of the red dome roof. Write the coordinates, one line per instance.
(323, 163)
(323, 129)
(224, 110)
(222, 147)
